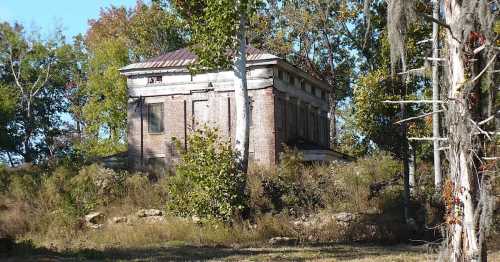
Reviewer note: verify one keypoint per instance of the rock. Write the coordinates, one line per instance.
(149, 213)
(154, 220)
(344, 217)
(283, 241)
(118, 220)
(94, 218)
(195, 219)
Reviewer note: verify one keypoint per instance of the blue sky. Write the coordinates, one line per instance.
(72, 15)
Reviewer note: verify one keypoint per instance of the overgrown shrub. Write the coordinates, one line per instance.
(207, 183)
(94, 186)
(287, 189)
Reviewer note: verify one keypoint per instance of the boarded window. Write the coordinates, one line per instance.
(280, 117)
(292, 118)
(155, 118)
(302, 122)
(200, 113)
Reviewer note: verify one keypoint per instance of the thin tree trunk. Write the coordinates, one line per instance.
(241, 99)
(412, 164)
(438, 178)
(404, 147)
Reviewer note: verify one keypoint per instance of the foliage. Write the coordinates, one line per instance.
(94, 186)
(310, 35)
(213, 28)
(105, 111)
(119, 36)
(207, 183)
(288, 190)
(32, 71)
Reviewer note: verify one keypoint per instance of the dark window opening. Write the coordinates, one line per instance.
(155, 118)
(313, 90)
(154, 79)
(250, 110)
(291, 80)
(303, 85)
(280, 75)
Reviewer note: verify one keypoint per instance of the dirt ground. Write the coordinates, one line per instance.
(180, 252)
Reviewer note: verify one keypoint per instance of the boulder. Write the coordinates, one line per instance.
(154, 220)
(283, 241)
(94, 218)
(118, 220)
(195, 219)
(345, 217)
(149, 213)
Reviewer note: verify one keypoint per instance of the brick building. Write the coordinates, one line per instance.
(288, 106)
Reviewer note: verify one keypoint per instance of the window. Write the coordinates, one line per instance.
(303, 85)
(291, 80)
(154, 79)
(280, 74)
(323, 95)
(313, 90)
(155, 118)
(250, 110)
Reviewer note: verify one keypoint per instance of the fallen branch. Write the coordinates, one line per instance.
(416, 117)
(486, 120)
(435, 59)
(424, 41)
(479, 128)
(427, 138)
(480, 73)
(412, 70)
(414, 102)
(479, 49)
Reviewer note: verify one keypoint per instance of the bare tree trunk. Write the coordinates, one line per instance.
(438, 178)
(404, 146)
(463, 231)
(412, 164)
(241, 99)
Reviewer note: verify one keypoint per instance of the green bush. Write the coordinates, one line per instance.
(94, 186)
(291, 189)
(207, 183)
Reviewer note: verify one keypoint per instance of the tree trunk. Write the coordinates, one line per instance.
(241, 99)
(412, 164)
(463, 230)
(438, 178)
(404, 146)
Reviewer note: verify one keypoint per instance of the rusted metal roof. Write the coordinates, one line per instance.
(183, 57)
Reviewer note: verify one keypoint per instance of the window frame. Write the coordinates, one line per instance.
(161, 118)
(155, 79)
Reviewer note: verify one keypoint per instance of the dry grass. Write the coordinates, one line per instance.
(175, 251)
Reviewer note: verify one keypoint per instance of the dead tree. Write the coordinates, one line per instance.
(470, 53)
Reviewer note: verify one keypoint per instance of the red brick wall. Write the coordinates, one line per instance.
(178, 119)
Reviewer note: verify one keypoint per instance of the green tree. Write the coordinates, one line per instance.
(32, 72)
(312, 36)
(219, 26)
(105, 109)
(118, 37)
